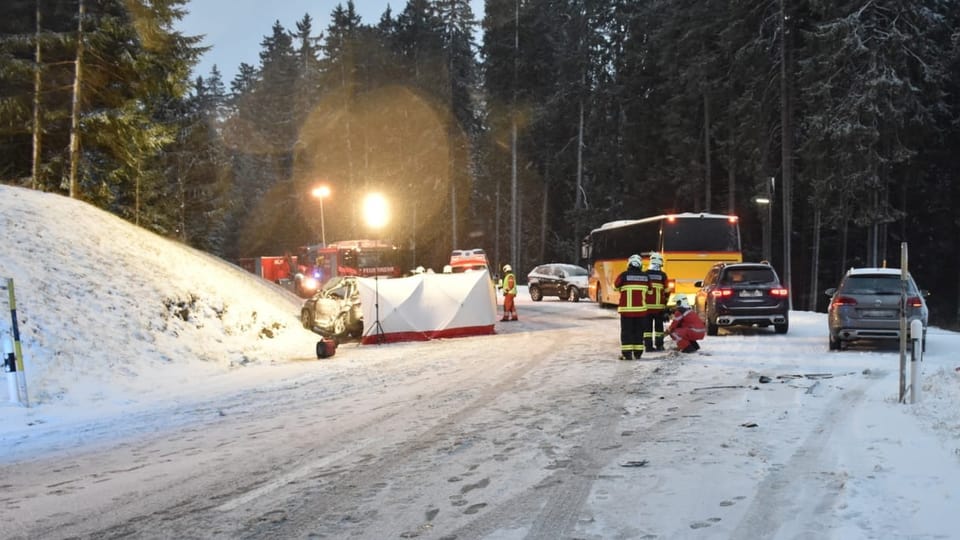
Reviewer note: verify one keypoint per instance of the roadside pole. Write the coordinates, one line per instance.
(916, 337)
(903, 322)
(10, 367)
(18, 352)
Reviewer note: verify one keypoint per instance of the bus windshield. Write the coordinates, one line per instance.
(700, 235)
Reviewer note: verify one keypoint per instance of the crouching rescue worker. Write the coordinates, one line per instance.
(508, 285)
(686, 327)
(633, 285)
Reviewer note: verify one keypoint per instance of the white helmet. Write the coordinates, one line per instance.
(656, 261)
(507, 268)
(682, 303)
(635, 261)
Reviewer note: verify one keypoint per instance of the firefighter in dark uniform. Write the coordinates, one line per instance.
(633, 285)
(656, 303)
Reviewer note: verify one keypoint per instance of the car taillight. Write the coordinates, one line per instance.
(914, 301)
(844, 301)
(671, 285)
(779, 292)
(721, 293)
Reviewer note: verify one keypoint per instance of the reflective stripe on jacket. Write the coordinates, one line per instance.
(633, 285)
(657, 294)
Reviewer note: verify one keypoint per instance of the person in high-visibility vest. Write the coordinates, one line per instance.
(633, 284)
(508, 285)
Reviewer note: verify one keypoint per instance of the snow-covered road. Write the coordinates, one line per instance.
(537, 432)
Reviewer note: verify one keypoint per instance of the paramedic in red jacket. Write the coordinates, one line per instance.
(686, 327)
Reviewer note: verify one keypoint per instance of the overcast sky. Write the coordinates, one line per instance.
(235, 28)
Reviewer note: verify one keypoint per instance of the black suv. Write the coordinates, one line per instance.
(742, 294)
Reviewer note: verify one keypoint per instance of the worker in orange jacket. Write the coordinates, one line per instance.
(508, 285)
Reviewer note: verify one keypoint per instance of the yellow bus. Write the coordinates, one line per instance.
(690, 244)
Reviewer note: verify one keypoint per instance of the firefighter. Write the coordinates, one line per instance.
(656, 303)
(633, 285)
(686, 327)
(508, 285)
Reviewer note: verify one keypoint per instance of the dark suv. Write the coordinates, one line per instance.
(742, 294)
(565, 281)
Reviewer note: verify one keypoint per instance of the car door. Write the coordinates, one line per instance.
(548, 281)
(703, 293)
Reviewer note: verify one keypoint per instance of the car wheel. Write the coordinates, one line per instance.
(340, 325)
(711, 327)
(535, 294)
(306, 319)
(356, 331)
(781, 328)
(573, 294)
(834, 343)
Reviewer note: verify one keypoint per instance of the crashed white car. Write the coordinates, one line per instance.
(334, 311)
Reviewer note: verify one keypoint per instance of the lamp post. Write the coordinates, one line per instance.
(767, 200)
(322, 192)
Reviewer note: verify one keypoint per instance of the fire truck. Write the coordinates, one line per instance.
(311, 266)
(365, 258)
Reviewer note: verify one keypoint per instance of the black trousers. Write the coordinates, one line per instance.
(653, 331)
(631, 335)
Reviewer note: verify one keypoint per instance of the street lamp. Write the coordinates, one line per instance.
(322, 192)
(767, 200)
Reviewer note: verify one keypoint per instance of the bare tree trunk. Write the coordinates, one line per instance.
(707, 172)
(579, 202)
(543, 212)
(815, 260)
(37, 82)
(75, 114)
(731, 190)
(347, 134)
(786, 157)
(514, 206)
(844, 242)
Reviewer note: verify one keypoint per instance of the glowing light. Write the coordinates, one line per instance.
(376, 212)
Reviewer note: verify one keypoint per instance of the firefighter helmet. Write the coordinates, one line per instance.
(635, 261)
(682, 303)
(656, 260)
(507, 268)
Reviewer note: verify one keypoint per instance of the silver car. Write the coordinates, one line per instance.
(866, 306)
(334, 311)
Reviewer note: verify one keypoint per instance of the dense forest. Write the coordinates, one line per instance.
(517, 133)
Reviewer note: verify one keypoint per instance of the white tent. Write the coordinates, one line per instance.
(427, 306)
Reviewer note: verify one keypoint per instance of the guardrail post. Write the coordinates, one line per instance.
(916, 337)
(10, 367)
(18, 358)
